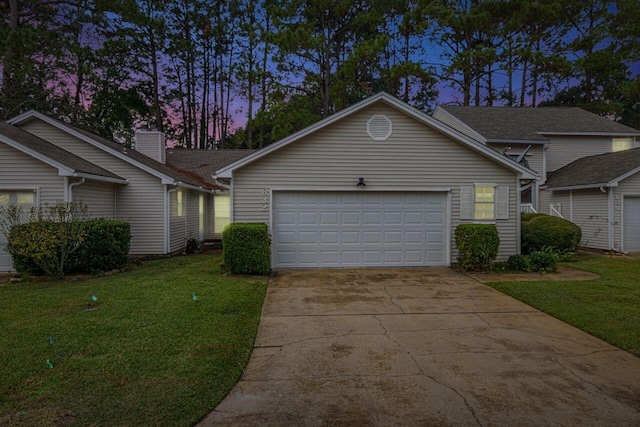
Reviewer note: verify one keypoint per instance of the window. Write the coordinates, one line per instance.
(222, 212)
(179, 203)
(621, 144)
(24, 198)
(484, 202)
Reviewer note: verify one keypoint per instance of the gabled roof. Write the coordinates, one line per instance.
(168, 174)
(68, 164)
(393, 102)
(604, 170)
(506, 124)
(205, 163)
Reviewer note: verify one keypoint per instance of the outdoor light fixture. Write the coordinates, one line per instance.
(361, 182)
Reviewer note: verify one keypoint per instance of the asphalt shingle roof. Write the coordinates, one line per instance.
(527, 124)
(205, 163)
(53, 152)
(592, 170)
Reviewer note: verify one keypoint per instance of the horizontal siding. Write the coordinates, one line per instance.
(534, 155)
(629, 187)
(591, 213)
(99, 197)
(415, 156)
(209, 222)
(177, 223)
(21, 170)
(565, 149)
(141, 202)
(193, 215)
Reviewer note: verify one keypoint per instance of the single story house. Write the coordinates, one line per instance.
(601, 194)
(377, 184)
(45, 161)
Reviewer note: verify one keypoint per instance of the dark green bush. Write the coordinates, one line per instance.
(477, 246)
(247, 248)
(550, 231)
(105, 247)
(518, 262)
(544, 260)
(526, 217)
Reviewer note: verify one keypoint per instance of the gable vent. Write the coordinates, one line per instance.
(379, 127)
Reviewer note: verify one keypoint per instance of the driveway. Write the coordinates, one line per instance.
(423, 346)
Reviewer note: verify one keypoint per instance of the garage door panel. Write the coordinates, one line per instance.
(352, 228)
(632, 224)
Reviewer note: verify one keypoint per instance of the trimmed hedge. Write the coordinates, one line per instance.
(477, 246)
(526, 217)
(546, 231)
(104, 246)
(247, 248)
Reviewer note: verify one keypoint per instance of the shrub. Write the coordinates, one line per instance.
(550, 231)
(477, 246)
(247, 248)
(544, 260)
(105, 247)
(518, 262)
(526, 217)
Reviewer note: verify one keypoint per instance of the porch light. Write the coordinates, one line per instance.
(360, 182)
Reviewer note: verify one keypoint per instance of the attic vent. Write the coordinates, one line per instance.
(379, 127)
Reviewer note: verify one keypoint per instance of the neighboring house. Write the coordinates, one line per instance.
(602, 195)
(44, 161)
(549, 138)
(377, 184)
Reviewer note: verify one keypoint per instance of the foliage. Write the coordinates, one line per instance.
(607, 307)
(477, 246)
(526, 217)
(518, 262)
(105, 247)
(145, 353)
(247, 248)
(47, 236)
(552, 232)
(543, 261)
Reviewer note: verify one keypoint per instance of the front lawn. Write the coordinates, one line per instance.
(162, 344)
(608, 307)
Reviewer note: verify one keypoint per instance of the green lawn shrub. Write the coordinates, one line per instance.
(518, 262)
(247, 248)
(105, 247)
(550, 231)
(545, 260)
(526, 217)
(477, 246)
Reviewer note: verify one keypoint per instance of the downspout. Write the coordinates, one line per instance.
(71, 186)
(167, 219)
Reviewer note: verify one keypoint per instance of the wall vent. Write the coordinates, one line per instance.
(379, 127)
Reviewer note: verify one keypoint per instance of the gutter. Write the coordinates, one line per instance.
(71, 186)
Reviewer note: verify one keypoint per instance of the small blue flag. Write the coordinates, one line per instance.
(195, 298)
(51, 340)
(95, 298)
(49, 364)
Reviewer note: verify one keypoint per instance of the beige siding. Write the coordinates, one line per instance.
(534, 155)
(192, 214)
(590, 210)
(99, 197)
(629, 187)
(336, 156)
(183, 227)
(209, 209)
(141, 202)
(565, 149)
(18, 170)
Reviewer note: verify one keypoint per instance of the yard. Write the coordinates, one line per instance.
(608, 307)
(161, 344)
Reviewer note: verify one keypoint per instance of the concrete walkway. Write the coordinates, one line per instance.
(422, 347)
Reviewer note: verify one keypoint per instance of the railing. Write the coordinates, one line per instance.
(527, 208)
(555, 209)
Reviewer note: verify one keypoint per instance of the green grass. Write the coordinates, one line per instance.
(148, 354)
(608, 307)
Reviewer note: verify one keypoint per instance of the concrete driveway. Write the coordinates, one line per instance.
(422, 346)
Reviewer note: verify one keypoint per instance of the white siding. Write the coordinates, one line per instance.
(209, 219)
(565, 149)
(183, 227)
(334, 157)
(627, 188)
(141, 202)
(99, 197)
(18, 170)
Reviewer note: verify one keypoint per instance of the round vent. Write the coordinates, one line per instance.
(379, 127)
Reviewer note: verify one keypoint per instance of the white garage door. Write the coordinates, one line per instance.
(25, 199)
(341, 229)
(632, 224)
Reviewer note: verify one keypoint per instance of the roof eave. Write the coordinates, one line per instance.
(63, 170)
(583, 186)
(517, 141)
(589, 133)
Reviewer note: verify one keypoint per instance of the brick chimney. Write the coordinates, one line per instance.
(152, 144)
